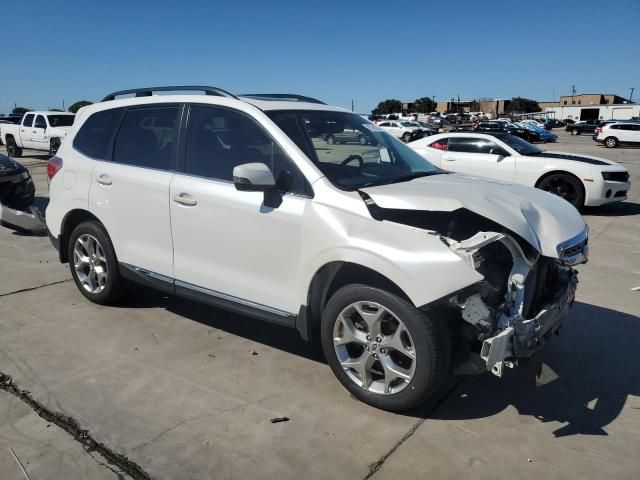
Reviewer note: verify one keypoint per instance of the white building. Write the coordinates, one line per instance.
(623, 111)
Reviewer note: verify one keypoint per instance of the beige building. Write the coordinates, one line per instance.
(496, 107)
(589, 99)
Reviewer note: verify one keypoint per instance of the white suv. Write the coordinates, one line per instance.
(406, 271)
(619, 133)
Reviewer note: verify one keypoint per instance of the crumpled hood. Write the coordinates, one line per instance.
(59, 131)
(542, 219)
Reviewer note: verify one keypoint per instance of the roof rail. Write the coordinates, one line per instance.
(147, 92)
(287, 97)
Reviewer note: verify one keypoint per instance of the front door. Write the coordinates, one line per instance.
(228, 243)
(478, 157)
(39, 138)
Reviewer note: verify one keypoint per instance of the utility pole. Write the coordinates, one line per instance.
(631, 96)
(573, 92)
(63, 105)
(553, 95)
(352, 105)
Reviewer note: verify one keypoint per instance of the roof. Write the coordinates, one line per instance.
(48, 112)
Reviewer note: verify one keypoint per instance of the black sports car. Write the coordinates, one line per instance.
(499, 127)
(17, 190)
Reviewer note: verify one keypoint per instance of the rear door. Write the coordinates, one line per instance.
(39, 133)
(130, 193)
(479, 157)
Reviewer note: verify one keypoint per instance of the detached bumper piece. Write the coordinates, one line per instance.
(521, 337)
(30, 221)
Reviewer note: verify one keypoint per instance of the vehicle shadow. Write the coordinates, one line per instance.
(618, 209)
(581, 379)
(269, 334)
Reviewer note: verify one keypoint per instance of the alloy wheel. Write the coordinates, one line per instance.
(374, 348)
(90, 263)
(561, 188)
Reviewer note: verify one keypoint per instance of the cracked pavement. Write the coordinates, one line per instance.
(173, 386)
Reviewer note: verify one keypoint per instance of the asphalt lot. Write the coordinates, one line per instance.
(188, 391)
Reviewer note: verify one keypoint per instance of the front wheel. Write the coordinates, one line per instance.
(93, 264)
(575, 132)
(611, 142)
(331, 140)
(564, 186)
(382, 349)
(406, 137)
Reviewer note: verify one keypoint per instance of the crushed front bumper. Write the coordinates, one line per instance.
(521, 338)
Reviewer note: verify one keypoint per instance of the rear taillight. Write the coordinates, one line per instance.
(53, 166)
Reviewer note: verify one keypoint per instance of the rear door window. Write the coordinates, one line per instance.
(440, 144)
(148, 137)
(40, 122)
(95, 135)
(473, 145)
(28, 120)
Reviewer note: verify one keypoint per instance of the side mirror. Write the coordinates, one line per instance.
(253, 177)
(498, 151)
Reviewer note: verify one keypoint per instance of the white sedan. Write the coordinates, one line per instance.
(579, 179)
(399, 129)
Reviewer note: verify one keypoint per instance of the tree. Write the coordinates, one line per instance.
(388, 106)
(424, 105)
(56, 110)
(20, 110)
(78, 105)
(523, 105)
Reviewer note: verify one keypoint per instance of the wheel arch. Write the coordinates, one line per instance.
(70, 221)
(327, 280)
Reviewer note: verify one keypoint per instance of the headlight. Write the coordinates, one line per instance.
(616, 176)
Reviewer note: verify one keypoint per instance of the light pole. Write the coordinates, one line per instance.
(631, 96)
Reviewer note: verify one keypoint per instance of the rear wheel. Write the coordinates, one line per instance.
(54, 145)
(362, 140)
(13, 150)
(331, 139)
(611, 142)
(93, 263)
(564, 186)
(575, 131)
(382, 349)
(406, 137)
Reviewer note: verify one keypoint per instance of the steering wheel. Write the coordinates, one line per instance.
(353, 157)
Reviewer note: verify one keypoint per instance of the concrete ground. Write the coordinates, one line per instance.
(188, 391)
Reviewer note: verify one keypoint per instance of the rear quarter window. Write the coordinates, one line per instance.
(95, 135)
(441, 144)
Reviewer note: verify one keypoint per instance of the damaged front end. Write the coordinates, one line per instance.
(524, 295)
(522, 300)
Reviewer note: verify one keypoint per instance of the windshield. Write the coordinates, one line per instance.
(352, 152)
(61, 120)
(521, 146)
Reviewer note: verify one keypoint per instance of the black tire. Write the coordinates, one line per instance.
(13, 150)
(565, 186)
(331, 140)
(429, 344)
(406, 137)
(611, 142)
(54, 145)
(114, 286)
(363, 140)
(575, 131)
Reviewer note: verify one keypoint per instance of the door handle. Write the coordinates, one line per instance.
(185, 199)
(103, 179)
(447, 158)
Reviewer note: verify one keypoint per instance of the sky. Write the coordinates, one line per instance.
(337, 51)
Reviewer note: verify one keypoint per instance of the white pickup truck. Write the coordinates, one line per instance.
(37, 131)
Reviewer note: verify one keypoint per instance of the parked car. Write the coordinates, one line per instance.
(347, 136)
(579, 179)
(17, 190)
(545, 135)
(585, 126)
(618, 133)
(403, 130)
(504, 127)
(37, 131)
(255, 215)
